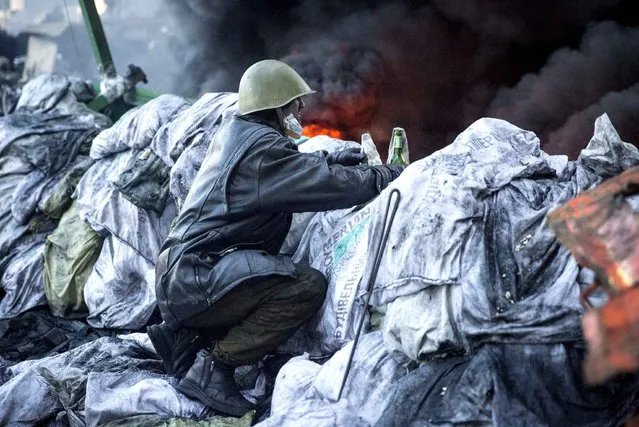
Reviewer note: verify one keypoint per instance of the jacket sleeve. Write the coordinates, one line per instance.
(290, 181)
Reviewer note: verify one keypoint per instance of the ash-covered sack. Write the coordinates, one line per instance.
(306, 392)
(335, 243)
(470, 258)
(47, 91)
(120, 291)
(138, 126)
(175, 136)
(101, 381)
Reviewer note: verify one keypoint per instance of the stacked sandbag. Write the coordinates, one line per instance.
(482, 275)
(306, 392)
(54, 91)
(184, 142)
(508, 385)
(471, 269)
(72, 387)
(126, 198)
(175, 136)
(335, 243)
(44, 145)
(137, 127)
(70, 254)
(473, 245)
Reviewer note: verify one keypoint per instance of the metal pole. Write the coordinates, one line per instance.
(99, 43)
(389, 216)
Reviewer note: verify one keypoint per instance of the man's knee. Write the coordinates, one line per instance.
(313, 283)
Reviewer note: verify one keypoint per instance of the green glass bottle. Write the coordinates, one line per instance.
(397, 156)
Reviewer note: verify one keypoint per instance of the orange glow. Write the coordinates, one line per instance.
(315, 129)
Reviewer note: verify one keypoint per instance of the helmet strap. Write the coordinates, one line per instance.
(280, 118)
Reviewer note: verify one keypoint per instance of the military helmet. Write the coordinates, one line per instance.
(270, 84)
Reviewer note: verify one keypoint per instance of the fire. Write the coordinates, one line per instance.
(315, 129)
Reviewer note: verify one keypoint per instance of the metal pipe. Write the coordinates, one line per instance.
(101, 51)
(389, 217)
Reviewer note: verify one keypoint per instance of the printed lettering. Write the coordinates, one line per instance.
(481, 142)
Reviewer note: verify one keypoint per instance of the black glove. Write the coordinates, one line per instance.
(386, 174)
(347, 157)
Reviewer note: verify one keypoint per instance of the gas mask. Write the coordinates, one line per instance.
(292, 127)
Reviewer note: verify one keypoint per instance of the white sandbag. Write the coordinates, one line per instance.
(108, 211)
(95, 187)
(292, 382)
(140, 338)
(296, 397)
(112, 396)
(334, 243)
(46, 91)
(28, 398)
(372, 372)
(39, 389)
(326, 143)
(23, 279)
(142, 229)
(174, 137)
(137, 127)
(120, 291)
(472, 215)
(418, 325)
(12, 173)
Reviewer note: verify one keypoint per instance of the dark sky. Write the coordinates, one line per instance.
(432, 67)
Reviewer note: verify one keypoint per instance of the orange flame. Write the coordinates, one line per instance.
(315, 129)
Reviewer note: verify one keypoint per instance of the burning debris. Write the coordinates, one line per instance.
(348, 83)
(315, 130)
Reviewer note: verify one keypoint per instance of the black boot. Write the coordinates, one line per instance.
(212, 383)
(177, 347)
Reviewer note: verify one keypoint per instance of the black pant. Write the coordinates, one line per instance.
(255, 317)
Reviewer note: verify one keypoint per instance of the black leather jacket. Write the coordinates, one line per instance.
(238, 212)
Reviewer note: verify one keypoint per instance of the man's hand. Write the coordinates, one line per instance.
(386, 174)
(347, 157)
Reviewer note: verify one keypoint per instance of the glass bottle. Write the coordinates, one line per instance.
(398, 140)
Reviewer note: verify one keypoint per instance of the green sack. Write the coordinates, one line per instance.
(69, 254)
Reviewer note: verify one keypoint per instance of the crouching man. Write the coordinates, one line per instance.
(220, 282)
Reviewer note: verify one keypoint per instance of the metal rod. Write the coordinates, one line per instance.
(386, 227)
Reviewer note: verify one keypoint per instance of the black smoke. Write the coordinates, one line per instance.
(432, 67)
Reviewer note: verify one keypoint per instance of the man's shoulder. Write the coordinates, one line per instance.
(253, 126)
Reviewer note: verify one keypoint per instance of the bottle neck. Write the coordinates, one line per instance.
(397, 143)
